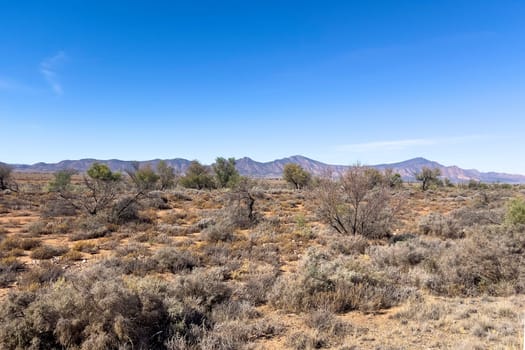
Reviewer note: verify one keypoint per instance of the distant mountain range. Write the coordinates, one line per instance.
(250, 167)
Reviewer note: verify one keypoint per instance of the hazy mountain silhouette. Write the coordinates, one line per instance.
(250, 167)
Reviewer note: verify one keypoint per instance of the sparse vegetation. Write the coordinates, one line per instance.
(260, 265)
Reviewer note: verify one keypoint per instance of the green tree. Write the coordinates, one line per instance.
(226, 175)
(166, 175)
(102, 186)
(197, 176)
(394, 180)
(428, 176)
(144, 178)
(295, 175)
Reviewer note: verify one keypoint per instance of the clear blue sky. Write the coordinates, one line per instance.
(337, 81)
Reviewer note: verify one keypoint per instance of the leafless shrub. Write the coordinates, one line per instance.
(355, 204)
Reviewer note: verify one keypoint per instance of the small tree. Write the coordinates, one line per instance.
(102, 188)
(295, 175)
(428, 176)
(144, 179)
(166, 175)
(394, 179)
(62, 181)
(240, 204)
(5, 176)
(226, 175)
(197, 176)
(355, 203)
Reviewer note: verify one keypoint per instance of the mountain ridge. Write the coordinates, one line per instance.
(249, 167)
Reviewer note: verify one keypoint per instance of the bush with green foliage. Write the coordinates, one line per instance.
(166, 175)
(295, 175)
(515, 212)
(226, 175)
(144, 178)
(197, 176)
(428, 176)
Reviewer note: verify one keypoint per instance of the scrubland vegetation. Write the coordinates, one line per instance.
(150, 259)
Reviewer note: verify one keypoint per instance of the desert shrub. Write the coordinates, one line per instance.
(306, 341)
(57, 208)
(349, 245)
(197, 176)
(440, 225)
(237, 333)
(257, 281)
(180, 195)
(174, 260)
(515, 212)
(125, 209)
(221, 231)
(95, 310)
(338, 284)
(357, 203)
(47, 252)
(72, 255)
(89, 228)
(45, 272)
(327, 323)
(296, 176)
(465, 217)
(205, 288)
(488, 261)
(12, 242)
(475, 266)
(156, 200)
(40, 228)
(239, 209)
(85, 247)
(9, 267)
(409, 254)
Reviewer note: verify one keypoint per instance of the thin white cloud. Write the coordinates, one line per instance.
(10, 85)
(397, 145)
(49, 69)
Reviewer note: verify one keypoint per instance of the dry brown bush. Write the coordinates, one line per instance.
(338, 284)
(47, 252)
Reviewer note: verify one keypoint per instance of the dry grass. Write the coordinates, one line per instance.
(190, 273)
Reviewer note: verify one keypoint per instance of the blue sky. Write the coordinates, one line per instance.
(337, 81)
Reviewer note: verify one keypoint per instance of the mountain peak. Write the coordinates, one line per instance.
(250, 167)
